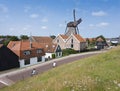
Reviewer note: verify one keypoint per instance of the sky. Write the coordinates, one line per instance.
(50, 17)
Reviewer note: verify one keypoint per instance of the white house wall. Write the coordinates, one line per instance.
(32, 61)
(43, 58)
(22, 63)
(58, 54)
(48, 55)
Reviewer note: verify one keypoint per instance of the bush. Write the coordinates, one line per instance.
(68, 51)
(53, 55)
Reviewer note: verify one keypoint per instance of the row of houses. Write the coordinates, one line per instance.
(27, 52)
(37, 49)
(40, 49)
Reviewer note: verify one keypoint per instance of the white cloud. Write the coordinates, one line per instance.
(44, 27)
(102, 24)
(34, 16)
(3, 8)
(44, 20)
(99, 13)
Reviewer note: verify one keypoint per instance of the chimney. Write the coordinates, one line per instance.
(30, 44)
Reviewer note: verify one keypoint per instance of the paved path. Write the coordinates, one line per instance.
(9, 78)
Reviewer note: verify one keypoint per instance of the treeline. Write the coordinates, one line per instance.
(6, 39)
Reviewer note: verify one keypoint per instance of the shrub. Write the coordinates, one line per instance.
(68, 51)
(53, 56)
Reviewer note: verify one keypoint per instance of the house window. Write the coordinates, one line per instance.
(71, 40)
(39, 50)
(58, 41)
(27, 61)
(39, 59)
(26, 52)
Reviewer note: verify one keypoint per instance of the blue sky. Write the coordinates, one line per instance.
(49, 17)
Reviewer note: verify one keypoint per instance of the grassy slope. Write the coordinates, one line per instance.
(98, 73)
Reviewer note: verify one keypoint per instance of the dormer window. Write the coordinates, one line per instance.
(26, 52)
(39, 50)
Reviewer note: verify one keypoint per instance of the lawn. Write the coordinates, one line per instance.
(97, 73)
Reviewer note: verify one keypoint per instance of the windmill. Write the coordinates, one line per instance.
(72, 27)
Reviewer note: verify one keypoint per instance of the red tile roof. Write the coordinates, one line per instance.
(42, 39)
(46, 42)
(79, 38)
(18, 47)
(49, 47)
(64, 36)
(90, 39)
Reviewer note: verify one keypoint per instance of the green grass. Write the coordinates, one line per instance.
(97, 73)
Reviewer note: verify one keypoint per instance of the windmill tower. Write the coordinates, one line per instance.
(72, 27)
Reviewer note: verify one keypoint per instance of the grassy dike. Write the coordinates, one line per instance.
(97, 73)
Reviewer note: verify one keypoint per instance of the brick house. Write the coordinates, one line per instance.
(8, 59)
(61, 40)
(74, 41)
(49, 47)
(29, 53)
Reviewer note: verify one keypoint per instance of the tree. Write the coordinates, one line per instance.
(14, 38)
(24, 37)
(53, 36)
(10, 38)
(88, 41)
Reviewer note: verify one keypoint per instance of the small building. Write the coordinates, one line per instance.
(8, 59)
(29, 53)
(61, 40)
(100, 43)
(49, 47)
(74, 41)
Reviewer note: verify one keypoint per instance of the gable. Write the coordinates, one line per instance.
(58, 49)
(60, 38)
